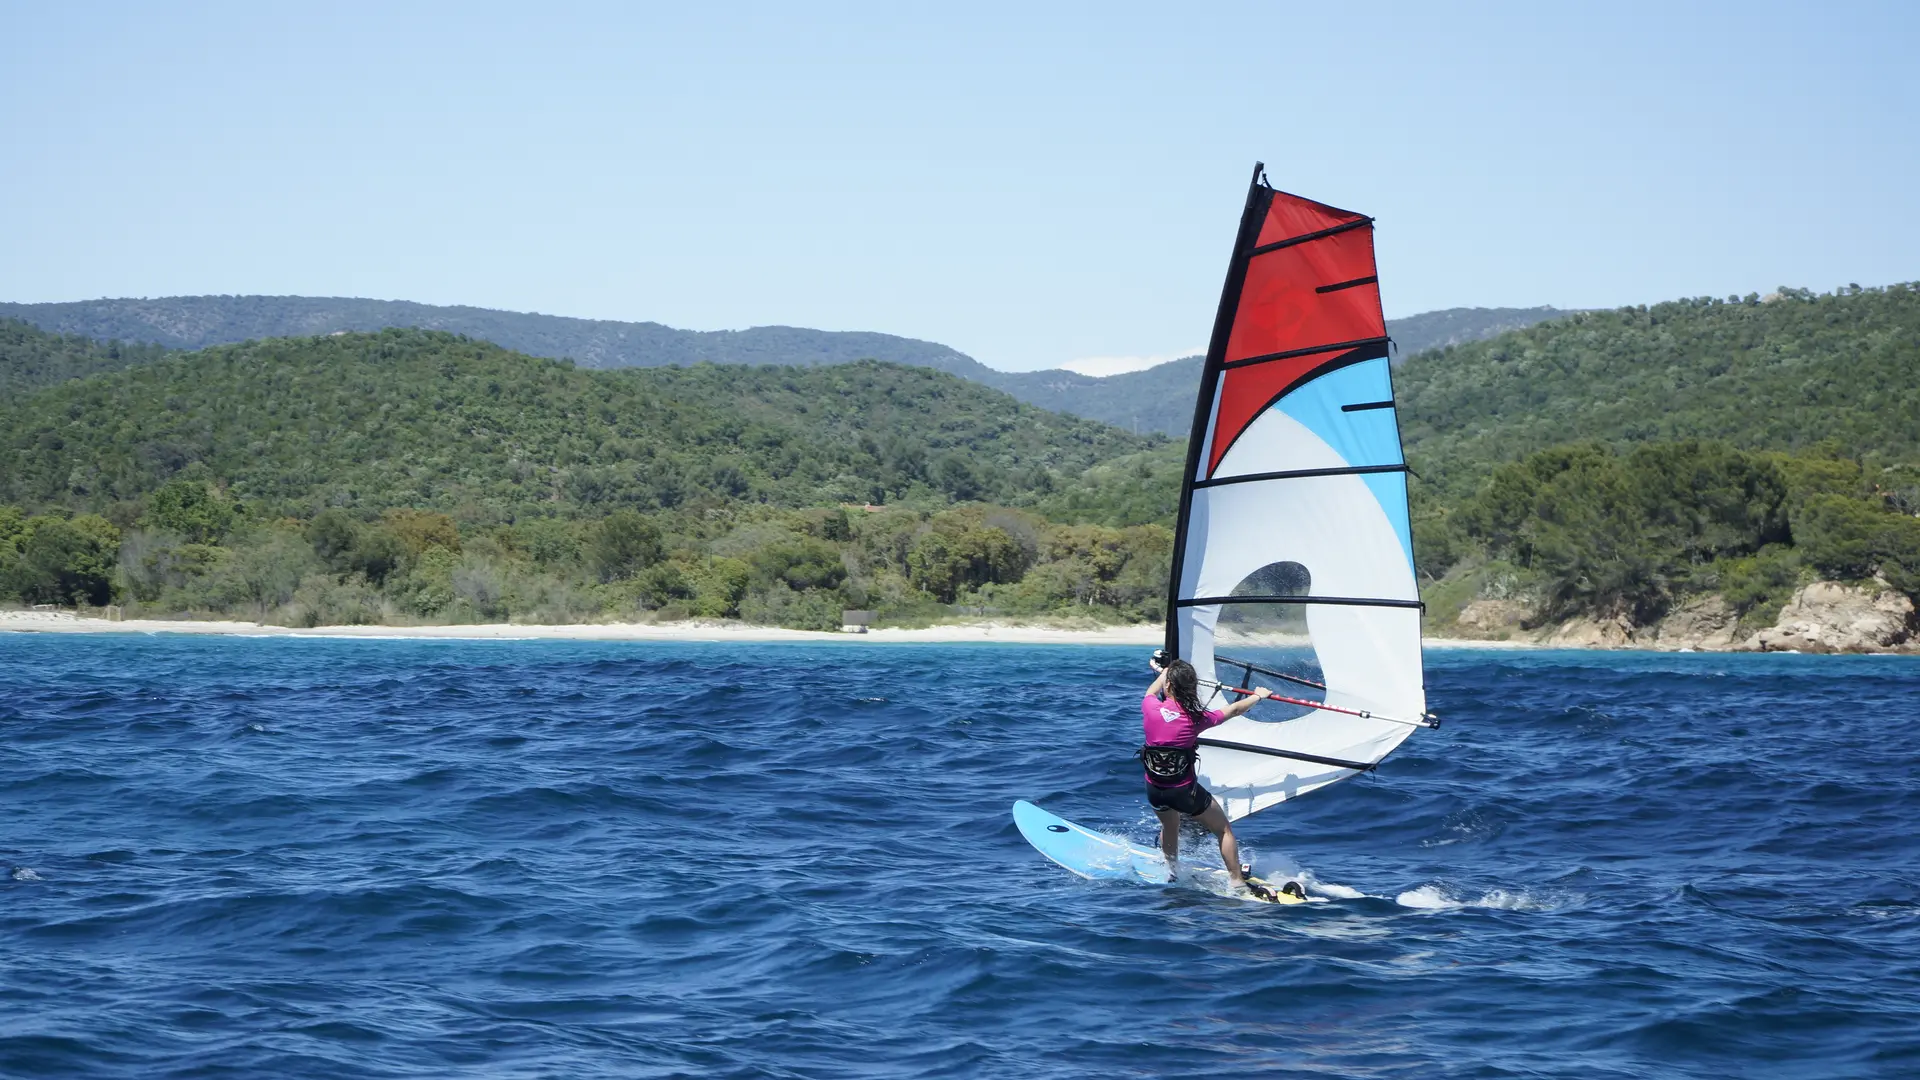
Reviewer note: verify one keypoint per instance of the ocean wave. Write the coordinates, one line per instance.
(342, 857)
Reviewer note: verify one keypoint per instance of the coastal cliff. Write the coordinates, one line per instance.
(1823, 617)
(1827, 617)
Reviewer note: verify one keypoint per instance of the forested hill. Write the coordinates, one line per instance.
(1792, 371)
(1700, 456)
(31, 358)
(1158, 399)
(409, 418)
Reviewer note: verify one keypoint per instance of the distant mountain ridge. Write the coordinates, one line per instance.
(1160, 398)
(1458, 326)
(1157, 399)
(195, 322)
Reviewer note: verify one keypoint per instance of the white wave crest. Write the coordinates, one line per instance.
(1435, 898)
(1330, 889)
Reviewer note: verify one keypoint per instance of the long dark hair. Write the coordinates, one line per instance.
(1184, 684)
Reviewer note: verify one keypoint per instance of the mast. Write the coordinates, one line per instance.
(1258, 195)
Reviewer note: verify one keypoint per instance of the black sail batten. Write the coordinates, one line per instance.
(1363, 349)
(1299, 474)
(1293, 755)
(1259, 197)
(1250, 667)
(1340, 601)
(1307, 238)
(1370, 279)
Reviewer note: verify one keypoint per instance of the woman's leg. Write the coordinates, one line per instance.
(1169, 836)
(1215, 819)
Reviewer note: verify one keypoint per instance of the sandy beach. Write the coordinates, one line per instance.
(986, 631)
(66, 622)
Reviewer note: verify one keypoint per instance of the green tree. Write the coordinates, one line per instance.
(421, 530)
(193, 508)
(1608, 535)
(1760, 584)
(13, 529)
(624, 544)
(348, 546)
(665, 583)
(836, 527)
(719, 586)
(954, 556)
(549, 542)
(1851, 539)
(333, 534)
(66, 561)
(801, 563)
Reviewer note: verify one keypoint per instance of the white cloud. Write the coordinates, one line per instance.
(1102, 366)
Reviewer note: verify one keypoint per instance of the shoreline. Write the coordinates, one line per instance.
(988, 631)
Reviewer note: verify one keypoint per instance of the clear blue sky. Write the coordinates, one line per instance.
(1029, 183)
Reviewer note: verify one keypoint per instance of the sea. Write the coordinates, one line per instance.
(287, 857)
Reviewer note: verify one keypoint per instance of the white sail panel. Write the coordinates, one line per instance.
(1369, 656)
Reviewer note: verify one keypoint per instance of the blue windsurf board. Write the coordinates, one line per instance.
(1104, 857)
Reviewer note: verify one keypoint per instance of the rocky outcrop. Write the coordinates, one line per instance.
(1706, 623)
(1824, 617)
(1490, 619)
(1588, 633)
(1828, 617)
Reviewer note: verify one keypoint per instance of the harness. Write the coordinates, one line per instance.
(1168, 762)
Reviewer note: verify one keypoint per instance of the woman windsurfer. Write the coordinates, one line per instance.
(1173, 718)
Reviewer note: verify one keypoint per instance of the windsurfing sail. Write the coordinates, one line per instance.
(1293, 551)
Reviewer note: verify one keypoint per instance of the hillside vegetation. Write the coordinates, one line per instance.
(1612, 464)
(412, 474)
(1585, 530)
(1792, 372)
(1616, 464)
(31, 358)
(428, 420)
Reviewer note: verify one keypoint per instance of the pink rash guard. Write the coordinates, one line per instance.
(1167, 724)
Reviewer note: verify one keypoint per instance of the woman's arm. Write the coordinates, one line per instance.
(1159, 687)
(1259, 695)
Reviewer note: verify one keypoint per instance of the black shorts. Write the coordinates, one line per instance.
(1190, 799)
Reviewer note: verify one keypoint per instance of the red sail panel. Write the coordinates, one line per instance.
(1281, 309)
(1246, 392)
(1291, 216)
(1310, 298)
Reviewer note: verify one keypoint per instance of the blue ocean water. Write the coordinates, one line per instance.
(328, 858)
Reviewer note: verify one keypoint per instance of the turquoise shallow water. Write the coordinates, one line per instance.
(270, 857)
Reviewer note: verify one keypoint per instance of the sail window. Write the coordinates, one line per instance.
(1270, 640)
